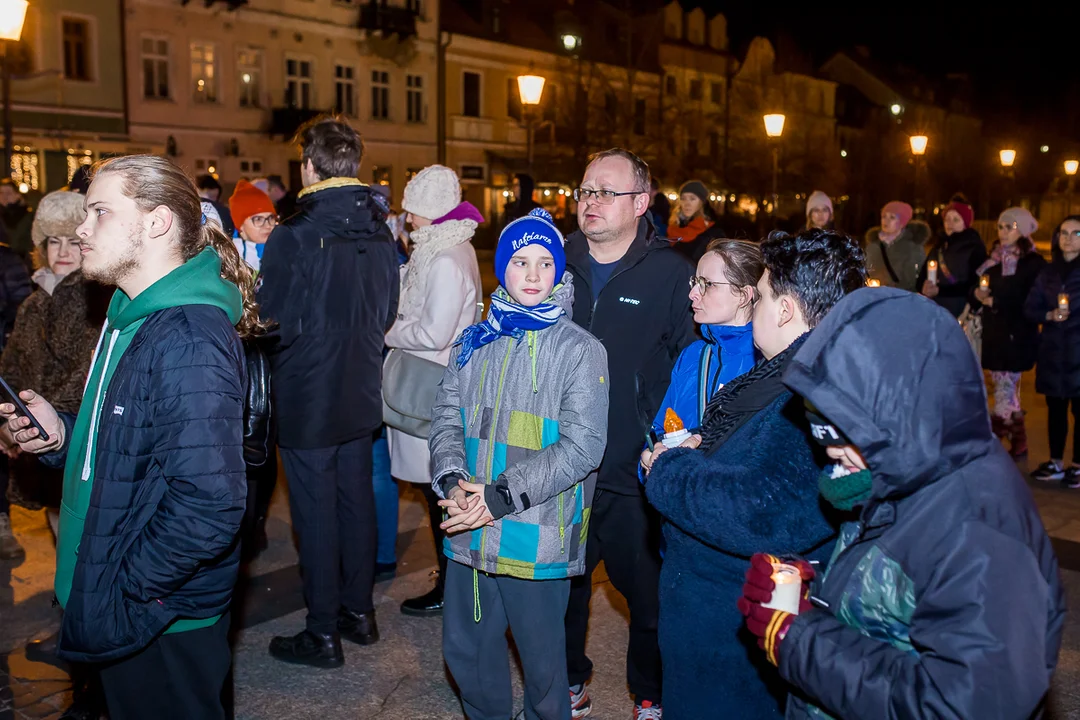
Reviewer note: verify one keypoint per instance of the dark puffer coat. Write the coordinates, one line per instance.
(1057, 373)
(944, 598)
(1010, 340)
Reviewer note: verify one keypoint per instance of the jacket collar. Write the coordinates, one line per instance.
(646, 241)
(329, 183)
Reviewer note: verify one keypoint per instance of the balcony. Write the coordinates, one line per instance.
(285, 121)
(377, 16)
(229, 4)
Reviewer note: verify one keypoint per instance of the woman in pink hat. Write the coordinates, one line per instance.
(895, 250)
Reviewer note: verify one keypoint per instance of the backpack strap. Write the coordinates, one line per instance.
(888, 265)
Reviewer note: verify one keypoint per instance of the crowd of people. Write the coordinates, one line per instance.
(717, 420)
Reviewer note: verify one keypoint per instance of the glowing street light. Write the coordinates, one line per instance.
(1071, 167)
(774, 125)
(918, 144)
(896, 108)
(531, 89)
(774, 128)
(1008, 157)
(571, 42)
(12, 16)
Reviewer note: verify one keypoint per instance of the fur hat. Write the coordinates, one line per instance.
(434, 192)
(58, 214)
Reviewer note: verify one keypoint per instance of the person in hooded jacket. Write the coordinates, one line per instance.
(330, 280)
(1010, 340)
(523, 188)
(747, 483)
(1057, 371)
(943, 596)
(896, 250)
(958, 253)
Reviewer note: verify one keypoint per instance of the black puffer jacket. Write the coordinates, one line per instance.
(958, 257)
(1010, 340)
(643, 318)
(1057, 373)
(943, 598)
(330, 279)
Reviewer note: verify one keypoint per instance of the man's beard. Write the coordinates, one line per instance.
(117, 270)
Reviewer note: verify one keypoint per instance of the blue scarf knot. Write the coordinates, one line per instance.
(505, 319)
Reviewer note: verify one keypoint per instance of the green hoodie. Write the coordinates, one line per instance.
(196, 282)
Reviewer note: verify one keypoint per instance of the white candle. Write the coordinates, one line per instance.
(1063, 302)
(931, 271)
(984, 282)
(788, 590)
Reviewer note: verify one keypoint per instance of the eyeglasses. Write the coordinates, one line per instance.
(703, 284)
(261, 221)
(604, 197)
(1007, 226)
(1074, 233)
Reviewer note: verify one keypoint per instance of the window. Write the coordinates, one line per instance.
(345, 90)
(298, 88)
(249, 68)
(380, 175)
(716, 92)
(414, 98)
(251, 166)
(611, 108)
(670, 86)
(639, 116)
(155, 63)
(475, 173)
(514, 109)
(76, 49)
(470, 84)
(206, 166)
(203, 74)
(380, 98)
(412, 172)
(695, 89)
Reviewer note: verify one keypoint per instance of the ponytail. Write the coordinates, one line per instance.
(236, 271)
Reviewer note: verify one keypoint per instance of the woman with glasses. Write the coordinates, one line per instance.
(1057, 372)
(1010, 339)
(722, 295)
(958, 252)
(255, 218)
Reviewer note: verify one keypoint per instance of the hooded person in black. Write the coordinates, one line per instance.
(523, 203)
(942, 597)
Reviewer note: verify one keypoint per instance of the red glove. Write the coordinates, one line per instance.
(769, 625)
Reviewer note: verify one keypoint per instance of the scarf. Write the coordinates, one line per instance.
(1005, 255)
(744, 397)
(845, 490)
(506, 319)
(428, 243)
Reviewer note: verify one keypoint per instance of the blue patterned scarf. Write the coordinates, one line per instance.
(506, 318)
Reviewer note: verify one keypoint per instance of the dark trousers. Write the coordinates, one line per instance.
(624, 532)
(262, 481)
(5, 505)
(477, 654)
(1058, 426)
(435, 515)
(333, 514)
(177, 676)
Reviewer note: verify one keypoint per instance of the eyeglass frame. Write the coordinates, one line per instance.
(587, 192)
(262, 220)
(703, 284)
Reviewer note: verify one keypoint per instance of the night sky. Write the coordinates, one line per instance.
(1024, 66)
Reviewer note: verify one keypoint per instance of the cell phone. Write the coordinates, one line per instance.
(21, 409)
(651, 439)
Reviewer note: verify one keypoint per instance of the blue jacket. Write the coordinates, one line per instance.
(756, 493)
(944, 597)
(731, 353)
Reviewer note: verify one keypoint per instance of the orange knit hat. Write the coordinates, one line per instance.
(248, 200)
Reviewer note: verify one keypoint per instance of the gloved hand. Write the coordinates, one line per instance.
(770, 625)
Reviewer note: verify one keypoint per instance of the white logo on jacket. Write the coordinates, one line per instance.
(118, 410)
(629, 301)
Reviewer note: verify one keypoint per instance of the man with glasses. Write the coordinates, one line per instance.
(630, 292)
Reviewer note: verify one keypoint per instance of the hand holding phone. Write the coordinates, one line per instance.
(32, 420)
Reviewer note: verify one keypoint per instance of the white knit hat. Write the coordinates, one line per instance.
(818, 199)
(434, 192)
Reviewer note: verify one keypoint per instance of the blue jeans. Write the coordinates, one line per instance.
(386, 501)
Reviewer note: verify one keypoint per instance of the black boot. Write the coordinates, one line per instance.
(428, 604)
(321, 650)
(359, 628)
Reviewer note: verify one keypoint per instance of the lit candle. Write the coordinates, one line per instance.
(984, 281)
(931, 271)
(873, 283)
(1063, 302)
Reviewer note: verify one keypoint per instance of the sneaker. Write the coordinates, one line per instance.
(10, 549)
(1049, 471)
(580, 704)
(1072, 478)
(645, 710)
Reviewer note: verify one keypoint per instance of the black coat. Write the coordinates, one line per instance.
(643, 318)
(961, 254)
(943, 598)
(695, 249)
(329, 277)
(15, 286)
(1057, 373)
(159, 540)
(1010, 340)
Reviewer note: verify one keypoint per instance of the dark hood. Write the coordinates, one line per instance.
(343, 207)
(895, 373)
(527, 185)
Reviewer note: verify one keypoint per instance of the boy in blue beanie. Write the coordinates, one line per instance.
(517, 432)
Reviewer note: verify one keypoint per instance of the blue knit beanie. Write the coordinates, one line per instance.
(536, 228)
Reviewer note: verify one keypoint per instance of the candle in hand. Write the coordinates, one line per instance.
(984, 282)
(873, 283)
(1063, 302)
(931, 271)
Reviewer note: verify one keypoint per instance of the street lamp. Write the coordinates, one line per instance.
(1070, 170)
(1071, 166)
(531, 91)
(571, 42)
(774, 129)
(12, 16)
(1008, 157)
(918, 144)
(918, 149)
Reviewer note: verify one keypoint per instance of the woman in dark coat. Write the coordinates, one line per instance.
(1057, 373)
(751, 487)
(958, 252)
(1010, 340)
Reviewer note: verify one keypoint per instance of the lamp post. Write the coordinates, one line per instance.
(12, 16)
(774, 129)
(531, 90)
(1070, 170)
(1008, 157)
(918, 149)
